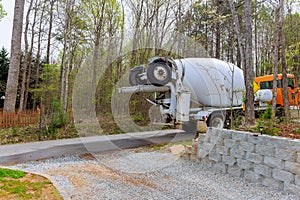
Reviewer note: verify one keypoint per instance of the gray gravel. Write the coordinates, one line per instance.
(139, 174)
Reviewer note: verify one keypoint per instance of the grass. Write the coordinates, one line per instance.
(15, 184)
(11, 173)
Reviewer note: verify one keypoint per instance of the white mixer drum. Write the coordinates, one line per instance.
(212, 82)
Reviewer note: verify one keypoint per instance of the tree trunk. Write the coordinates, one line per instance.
(26, 59)
(50, 31)
(38, 56)
(14, 66)
(250, 115)
(276, 60)
(66, 49)
(284, 65)
(238, 33)
(218, 29)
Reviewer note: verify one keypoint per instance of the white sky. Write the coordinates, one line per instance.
(6, 24)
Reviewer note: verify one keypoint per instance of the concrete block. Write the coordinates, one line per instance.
(201, 137)
(220, 167)
(209, 130)
(225, 134)
(244, 164)
(292, 167)
(282, 175)
(207, 139)
(216, 140)
(215, 156)
(222, 150)
(208, 146)
(263, 139)
(297, 179)
(228, 160)
(292, 189)
(229, 143)
(202, 153)
(287, 155)
(294, 145)
(277, 142)
(274, 162)
(194, 158)
(206, 163)
(235, 171)
(247, 146)
(252, 176)
(272, 183)
(239, 136)
(200, 144)
(263, 170)
(252, 139)
(214, 132)
(298, 157)
(264, 150)
(253, 157)
(237, 152)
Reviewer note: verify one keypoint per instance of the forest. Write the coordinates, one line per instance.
(53, 42)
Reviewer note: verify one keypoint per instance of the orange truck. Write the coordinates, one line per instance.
(266, 82)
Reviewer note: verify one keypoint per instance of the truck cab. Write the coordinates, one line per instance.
(266, 82)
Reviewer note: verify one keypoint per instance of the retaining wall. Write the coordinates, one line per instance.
(270, 161)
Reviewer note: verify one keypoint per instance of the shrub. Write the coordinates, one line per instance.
(138, 117)
(268, 113)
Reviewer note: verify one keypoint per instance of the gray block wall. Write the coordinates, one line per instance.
(266, 160)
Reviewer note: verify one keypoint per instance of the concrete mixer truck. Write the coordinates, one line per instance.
(200, 89)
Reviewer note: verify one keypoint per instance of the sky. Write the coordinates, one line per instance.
(6, 24)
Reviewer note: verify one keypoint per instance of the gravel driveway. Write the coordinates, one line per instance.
(144, 174)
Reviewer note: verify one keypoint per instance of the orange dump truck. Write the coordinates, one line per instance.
(266, 82)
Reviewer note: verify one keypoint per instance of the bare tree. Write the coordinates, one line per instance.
(283, 63)
(26, 62)
(248, 68)
(276, 59)
(52, 2)
(246, 57)
(14, 66)
(238, 32)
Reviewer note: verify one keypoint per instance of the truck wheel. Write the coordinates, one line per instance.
(158, 74)
(135, 78)
(216, 120)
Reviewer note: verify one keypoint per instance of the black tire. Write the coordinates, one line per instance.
(159, 74)
(216, 120)
(134, 77)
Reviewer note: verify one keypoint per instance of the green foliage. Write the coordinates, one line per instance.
(268, 127)
(268, 113)
(4, 65)
(2, 11)
(298, 131)
(33, 134)
(59, 118)
(138, 117)
(8, 173)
